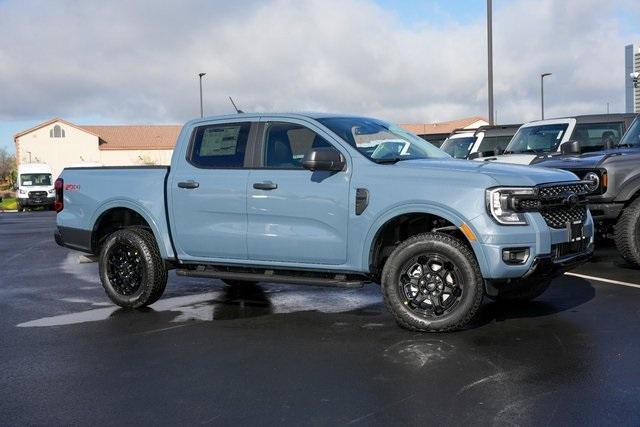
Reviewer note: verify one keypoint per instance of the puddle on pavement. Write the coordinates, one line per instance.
(418, 353)
(231, 303)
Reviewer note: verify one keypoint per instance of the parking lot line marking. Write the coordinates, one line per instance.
(602, 279)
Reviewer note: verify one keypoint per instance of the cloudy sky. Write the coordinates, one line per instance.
(101, 62)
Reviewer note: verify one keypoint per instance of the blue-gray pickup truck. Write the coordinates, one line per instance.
(333, 200)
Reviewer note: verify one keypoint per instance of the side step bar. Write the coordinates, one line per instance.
(273, 276)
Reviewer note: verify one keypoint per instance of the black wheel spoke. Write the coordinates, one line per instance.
(124, 268)
(430, 285)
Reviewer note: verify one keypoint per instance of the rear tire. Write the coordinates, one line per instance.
(627, 233)
(132, 271)
(522, 290)
(20, 208)
(432, 283)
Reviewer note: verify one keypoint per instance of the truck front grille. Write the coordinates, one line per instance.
(37, 194)
(559, 216)
(555, 191)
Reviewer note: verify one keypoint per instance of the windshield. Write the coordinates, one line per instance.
(537, 139)
(458, 147)
(33, 179)
(379, 141)
(632, 137)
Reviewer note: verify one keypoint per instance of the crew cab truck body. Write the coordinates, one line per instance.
(311, 199)
(555, 138)
(614, 200)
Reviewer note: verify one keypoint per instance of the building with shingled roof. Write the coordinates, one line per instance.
(61, 144)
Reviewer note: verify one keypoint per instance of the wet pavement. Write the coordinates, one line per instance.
(208, 354)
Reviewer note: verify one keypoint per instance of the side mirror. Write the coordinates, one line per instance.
(323, 159)
(571, 147)
(475, 155)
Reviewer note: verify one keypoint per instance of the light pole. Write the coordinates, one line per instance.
(201, 109)
(542, 76)
(490, 61)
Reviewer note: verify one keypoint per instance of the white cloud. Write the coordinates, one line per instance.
(134, 61)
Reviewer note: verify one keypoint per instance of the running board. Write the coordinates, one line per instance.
(273, 276)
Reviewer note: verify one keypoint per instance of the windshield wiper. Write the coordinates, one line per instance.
(388, 161)
(394, 160)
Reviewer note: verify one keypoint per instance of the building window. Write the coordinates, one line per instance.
(56, 132)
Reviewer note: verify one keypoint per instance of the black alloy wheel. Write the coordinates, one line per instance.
(430, 285)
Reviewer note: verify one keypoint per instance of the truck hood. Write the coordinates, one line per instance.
(517, 159)
(503, 174)
(589, 160)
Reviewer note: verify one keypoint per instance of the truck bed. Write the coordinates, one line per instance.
(92, 191)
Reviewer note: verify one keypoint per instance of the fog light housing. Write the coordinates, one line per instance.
(515, 256)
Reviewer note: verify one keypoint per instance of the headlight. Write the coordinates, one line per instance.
(594, 181)
(501, 204)
(52, 191)
(21, 191)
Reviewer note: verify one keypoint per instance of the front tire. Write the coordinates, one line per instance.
(432, 283)
(627, 233)
(131, 269)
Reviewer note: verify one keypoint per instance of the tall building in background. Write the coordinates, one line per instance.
(631, 64)
(636, 90)
(628, 83)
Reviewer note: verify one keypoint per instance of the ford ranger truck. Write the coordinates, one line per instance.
(614, 200)
(333, 200)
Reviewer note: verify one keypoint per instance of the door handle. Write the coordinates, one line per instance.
(189, 184)
(266, 185)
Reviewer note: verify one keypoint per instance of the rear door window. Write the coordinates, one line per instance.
(220, 145)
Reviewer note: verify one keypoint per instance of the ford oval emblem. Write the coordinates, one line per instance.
(570, 199)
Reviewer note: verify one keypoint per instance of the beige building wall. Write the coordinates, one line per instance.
(135, 157)
(77, 146)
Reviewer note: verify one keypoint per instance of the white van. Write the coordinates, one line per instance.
(35, 186)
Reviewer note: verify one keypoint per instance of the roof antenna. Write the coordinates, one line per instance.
(234, 106)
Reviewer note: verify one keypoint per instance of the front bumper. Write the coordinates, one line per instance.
(35, 202)
(537, 237)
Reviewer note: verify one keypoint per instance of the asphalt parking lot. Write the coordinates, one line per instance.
(204, 354)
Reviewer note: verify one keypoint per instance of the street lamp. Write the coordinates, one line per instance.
(490, 60)
(634, 77)
(542, 76)
(201, 109)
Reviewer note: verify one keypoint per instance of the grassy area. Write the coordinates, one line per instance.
(8, 204)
